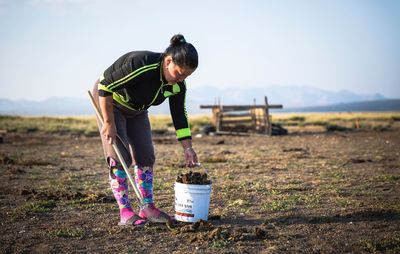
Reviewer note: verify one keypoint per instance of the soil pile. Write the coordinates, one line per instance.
(205, 232)
(193, 178)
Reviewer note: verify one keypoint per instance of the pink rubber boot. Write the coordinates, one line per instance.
(144, 180)
(119, 187)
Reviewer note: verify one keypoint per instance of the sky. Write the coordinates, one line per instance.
(60, 47)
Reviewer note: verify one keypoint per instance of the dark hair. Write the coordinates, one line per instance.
(183, 53)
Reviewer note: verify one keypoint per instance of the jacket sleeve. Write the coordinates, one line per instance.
(179, 114)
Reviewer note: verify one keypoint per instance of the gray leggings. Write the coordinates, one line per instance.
(133, 127)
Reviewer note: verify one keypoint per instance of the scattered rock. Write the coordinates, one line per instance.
(25, 192)
(186, 229)
(294, 149)
(215, 234)
(6, 160)
(221, 142)
(358, 160)
(193, 239)
(202, 225)
(260, 233)
(17, 171)
(225, 152)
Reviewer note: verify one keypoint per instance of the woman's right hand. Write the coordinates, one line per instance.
(109, 131)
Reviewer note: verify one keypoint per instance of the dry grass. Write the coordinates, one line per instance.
(338, 121)
(344, 116)
(88, 126)
(83, 125)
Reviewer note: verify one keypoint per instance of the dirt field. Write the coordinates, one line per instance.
(302, 193)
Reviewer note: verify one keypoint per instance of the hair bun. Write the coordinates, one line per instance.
(177, 39)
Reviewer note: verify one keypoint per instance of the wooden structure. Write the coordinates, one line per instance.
(239, 119)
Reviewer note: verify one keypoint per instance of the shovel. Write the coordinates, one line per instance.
(117, 151)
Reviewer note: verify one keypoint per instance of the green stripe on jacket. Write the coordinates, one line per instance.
(132, 75)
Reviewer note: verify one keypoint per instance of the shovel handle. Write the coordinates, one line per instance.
(117, 151)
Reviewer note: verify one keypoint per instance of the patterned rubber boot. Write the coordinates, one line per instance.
(119, 187)
(144, 180)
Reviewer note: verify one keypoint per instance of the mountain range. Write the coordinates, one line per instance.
(293, 98)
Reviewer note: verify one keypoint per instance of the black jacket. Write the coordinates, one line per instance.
(136, 82)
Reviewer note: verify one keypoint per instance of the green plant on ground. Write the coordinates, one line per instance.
(312, 200)
(41, 206)
(383, 245)
(283, 203)
(239, 203)
(387, 178)
(220, 243)
(274, 192)
(67, 233)
(335, 174)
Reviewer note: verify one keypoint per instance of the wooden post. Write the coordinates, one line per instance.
(268, 127)
(219, 116)
(219, 120)
(253, 113)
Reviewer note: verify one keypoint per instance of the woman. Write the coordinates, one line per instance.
(136, 81)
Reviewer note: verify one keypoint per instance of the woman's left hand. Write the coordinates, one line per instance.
(191, 157)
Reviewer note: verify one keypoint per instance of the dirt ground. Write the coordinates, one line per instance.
(301, 193)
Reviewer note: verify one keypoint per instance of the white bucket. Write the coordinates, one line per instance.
(192, 202)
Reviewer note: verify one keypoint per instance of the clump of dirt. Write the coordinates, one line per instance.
(193, 178)
(260, 233)
(200, 225)
(295, 149)
(5, 160)
(359, 160)
(203, 231)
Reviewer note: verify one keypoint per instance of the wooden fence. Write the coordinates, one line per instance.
(239, 119)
